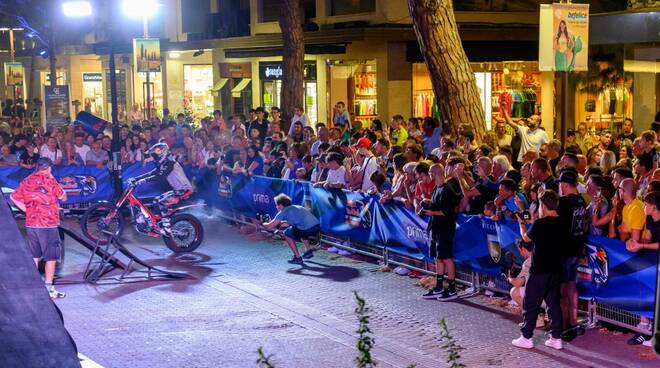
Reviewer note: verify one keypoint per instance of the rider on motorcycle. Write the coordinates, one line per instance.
(166, 168)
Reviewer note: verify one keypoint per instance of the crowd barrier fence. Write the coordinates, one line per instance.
(618, 285)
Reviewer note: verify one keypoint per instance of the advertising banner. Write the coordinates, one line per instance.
(57, 106)
(82, 184)
(564, 37)
(14, 74)
(146, 52)
(612, 275)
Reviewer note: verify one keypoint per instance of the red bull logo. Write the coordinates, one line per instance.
(357, 214)
(595, 267)
(78, 185)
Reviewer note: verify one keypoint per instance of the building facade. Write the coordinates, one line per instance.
(226, 55)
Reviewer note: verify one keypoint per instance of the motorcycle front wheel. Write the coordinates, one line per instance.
(187, 233)
(99, 221)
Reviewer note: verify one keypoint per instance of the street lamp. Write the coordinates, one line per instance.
(143, 9)
(77, 9)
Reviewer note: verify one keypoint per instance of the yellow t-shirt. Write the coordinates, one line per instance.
(401, 136)
(633, 215)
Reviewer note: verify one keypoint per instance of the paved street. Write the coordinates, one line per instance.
(245, 295)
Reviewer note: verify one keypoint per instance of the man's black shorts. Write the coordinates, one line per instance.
(298, 234)
(442, 244)
(44, 242)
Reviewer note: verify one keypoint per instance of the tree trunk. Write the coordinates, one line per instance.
(453, 81)
(293, 60)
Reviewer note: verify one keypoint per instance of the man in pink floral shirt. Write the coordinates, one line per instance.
(38, 195)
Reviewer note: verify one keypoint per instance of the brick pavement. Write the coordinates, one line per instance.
(246, 296)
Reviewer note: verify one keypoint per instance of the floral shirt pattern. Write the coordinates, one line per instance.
(40, 192)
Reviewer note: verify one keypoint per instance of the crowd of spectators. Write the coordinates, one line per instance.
(597, 182)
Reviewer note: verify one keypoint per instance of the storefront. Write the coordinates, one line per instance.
(234, 88)
(270, 76)
(354, 83)
(519, 83)
(198, 81)
(622, 83)
(92, 93)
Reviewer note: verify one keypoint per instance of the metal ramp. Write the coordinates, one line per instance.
(112, 256)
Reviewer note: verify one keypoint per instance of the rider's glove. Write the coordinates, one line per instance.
(131, 182)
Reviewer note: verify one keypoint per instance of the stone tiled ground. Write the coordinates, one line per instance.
(245, 295)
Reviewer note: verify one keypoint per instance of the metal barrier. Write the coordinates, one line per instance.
(594, 312)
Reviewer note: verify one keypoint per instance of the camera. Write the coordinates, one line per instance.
(523, 215)
(510, 267)
(262, 217)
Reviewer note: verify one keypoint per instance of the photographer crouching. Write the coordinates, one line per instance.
(299, 224)
(545, 273)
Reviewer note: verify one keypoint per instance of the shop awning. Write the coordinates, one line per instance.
(218, 86)
(236, 91)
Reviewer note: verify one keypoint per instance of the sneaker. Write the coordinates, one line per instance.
(402, 271)
(433, 294)
(56, 294)
(638, 339)
(333, 250)
(309, 254)
(343, 252)
(296, 260)
(554, 343)
(648, 343)
(447, 295)
(523, 342)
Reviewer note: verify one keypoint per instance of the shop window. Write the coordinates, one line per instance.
(197, 96)
(354, 83)
(620, 84)
(93, 93)
(519, 83)
(270, 74)
(347, 7)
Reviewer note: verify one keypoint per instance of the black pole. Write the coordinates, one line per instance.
(116, 141)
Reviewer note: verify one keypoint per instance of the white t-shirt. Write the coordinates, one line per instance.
(337, 176)
(82, 151)
(302, 119)
(52, 155)
(369, 166)
(530, 140)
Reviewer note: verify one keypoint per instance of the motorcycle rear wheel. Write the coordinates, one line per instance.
(187, 233)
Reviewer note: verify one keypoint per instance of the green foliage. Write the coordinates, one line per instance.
(451, 346)
(264, 360)
(365, 340)
(189, 116)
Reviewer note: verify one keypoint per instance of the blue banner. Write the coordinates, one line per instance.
(346, 214)
(609, 274)
(83, 184)
(612, 275)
